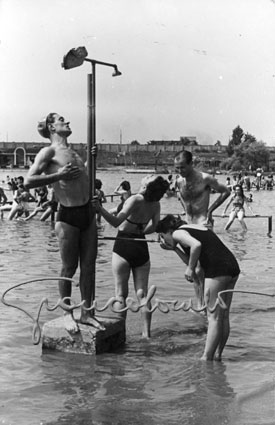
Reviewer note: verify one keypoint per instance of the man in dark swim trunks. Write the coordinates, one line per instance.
(75, 227)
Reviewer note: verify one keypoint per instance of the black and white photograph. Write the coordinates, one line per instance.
(137, 173)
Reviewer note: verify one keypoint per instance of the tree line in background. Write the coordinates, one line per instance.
(245, 152)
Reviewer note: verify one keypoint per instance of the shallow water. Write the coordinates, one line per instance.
(161, 381)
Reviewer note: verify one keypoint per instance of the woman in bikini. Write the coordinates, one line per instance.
(237, 199)
(193, 243)
(138, 217)
(124, 190)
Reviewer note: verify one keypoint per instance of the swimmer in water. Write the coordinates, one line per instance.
(237, 199)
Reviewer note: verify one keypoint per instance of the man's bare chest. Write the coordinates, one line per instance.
(193, 190)
(63, 156)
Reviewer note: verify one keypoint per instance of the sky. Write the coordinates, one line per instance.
(189, 68)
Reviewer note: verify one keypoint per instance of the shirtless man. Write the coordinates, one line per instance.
(194, 188)
(75, 227)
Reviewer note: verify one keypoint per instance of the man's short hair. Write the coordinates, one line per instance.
(42, 126)
(187, 155)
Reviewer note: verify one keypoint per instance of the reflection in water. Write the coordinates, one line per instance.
(237, 246)
(111, 390)
(101, 390)
(215, 397)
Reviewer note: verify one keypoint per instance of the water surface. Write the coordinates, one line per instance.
(161, 381)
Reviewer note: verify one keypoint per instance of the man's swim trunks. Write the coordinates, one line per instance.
(136, 253)
(80, 216)
(215, 258)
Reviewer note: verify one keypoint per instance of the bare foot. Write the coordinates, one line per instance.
(70, 324)
(92, 321)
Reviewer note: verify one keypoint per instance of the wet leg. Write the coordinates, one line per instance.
(227, 297)
(232, 217)
(88, 254)
(46, 214)
(241, 220)
(14, 209)
(121, 272)
(214, 332)
(141, 277)
(68, 238)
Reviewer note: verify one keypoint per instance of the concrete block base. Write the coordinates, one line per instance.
(88, 340)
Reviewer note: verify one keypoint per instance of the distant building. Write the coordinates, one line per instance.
(22, 154)
(183, 142)
(154, 153)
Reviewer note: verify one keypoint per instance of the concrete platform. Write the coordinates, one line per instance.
(88, 340)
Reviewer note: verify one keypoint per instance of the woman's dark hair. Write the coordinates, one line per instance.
(125, 185)
(170, 222)
(98, 184)
(156, 189)
(239, 186)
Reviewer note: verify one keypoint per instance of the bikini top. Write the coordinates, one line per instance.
(139, 225)
(238, 201)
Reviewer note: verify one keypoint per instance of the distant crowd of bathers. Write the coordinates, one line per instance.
(257, 181)
(22, 204)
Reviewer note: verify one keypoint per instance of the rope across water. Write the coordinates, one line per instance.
(164, 306)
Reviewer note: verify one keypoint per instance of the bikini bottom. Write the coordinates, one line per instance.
(136, 253)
